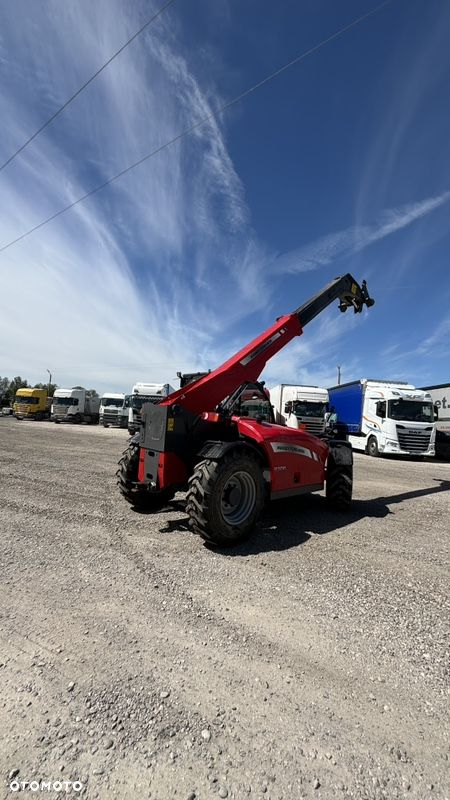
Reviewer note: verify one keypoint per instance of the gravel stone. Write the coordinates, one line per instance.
(322, 633)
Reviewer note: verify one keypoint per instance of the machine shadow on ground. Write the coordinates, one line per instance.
(290, 523)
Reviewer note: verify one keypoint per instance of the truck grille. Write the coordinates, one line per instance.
(316, 428)
(415, 441)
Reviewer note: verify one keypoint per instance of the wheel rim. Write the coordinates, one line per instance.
(238, 498)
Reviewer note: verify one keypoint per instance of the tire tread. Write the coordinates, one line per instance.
(198, 499)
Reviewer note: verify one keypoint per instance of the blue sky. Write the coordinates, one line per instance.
(339, 164)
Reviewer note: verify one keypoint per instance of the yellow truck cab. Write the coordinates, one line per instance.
(32, 404)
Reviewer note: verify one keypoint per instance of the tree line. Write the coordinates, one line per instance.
(9, 387)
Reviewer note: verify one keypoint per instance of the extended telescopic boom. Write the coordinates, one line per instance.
(248, 363)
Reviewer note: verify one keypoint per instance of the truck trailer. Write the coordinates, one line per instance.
(111, 410)
(32, 404)
(440, 395)
(75, 405)
(300, 406)
(144, 393)
(382, 416)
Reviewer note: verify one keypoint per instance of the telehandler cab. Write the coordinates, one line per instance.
(217, 439)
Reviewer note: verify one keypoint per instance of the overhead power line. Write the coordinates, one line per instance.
(226, 105)
(83, 87)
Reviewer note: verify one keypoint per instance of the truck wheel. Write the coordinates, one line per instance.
(39, 416)
(339, 485)
(225, 498)
(127, 473)
(372, 447)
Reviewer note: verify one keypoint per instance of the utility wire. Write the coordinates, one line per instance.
(83, 87)
(228, 104)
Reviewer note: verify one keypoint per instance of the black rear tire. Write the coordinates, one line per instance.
(127, 473)
(225, 498)
(339, 485)
(372, 447)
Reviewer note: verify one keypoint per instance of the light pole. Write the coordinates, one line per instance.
(339, 374)
(49, 382)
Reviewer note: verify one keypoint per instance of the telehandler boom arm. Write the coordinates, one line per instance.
(248, 363)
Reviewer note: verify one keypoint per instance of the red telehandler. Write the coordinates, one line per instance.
(216, 438)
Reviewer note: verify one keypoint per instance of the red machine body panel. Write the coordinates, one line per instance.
(246, 365)
(296, 458)
(171, 470)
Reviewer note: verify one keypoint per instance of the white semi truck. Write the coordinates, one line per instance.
(111, 410)
(75, 405)
(382, 416)
(300, 406)
(144, 393)
(440, 395)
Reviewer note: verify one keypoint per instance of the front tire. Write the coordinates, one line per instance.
(339, 485)
(225, 498)
(372, 447)
(127, 474)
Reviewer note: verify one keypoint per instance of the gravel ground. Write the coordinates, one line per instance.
(308, 663)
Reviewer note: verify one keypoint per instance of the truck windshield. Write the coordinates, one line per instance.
(411, 410)
(256, 407)
(65, 401)
(305, 408)
(112, 401)
(29, 400)
(138, 400)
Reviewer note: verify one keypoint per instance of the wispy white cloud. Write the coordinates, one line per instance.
(136, 282)
(351, 240)
(438, 341)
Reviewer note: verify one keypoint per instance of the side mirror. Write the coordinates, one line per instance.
(436, 413)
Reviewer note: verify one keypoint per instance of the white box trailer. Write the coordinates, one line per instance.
(382, 416)
(144, 393)
(440, 395)
(75, 405)
(300, 406)
(111, 409)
